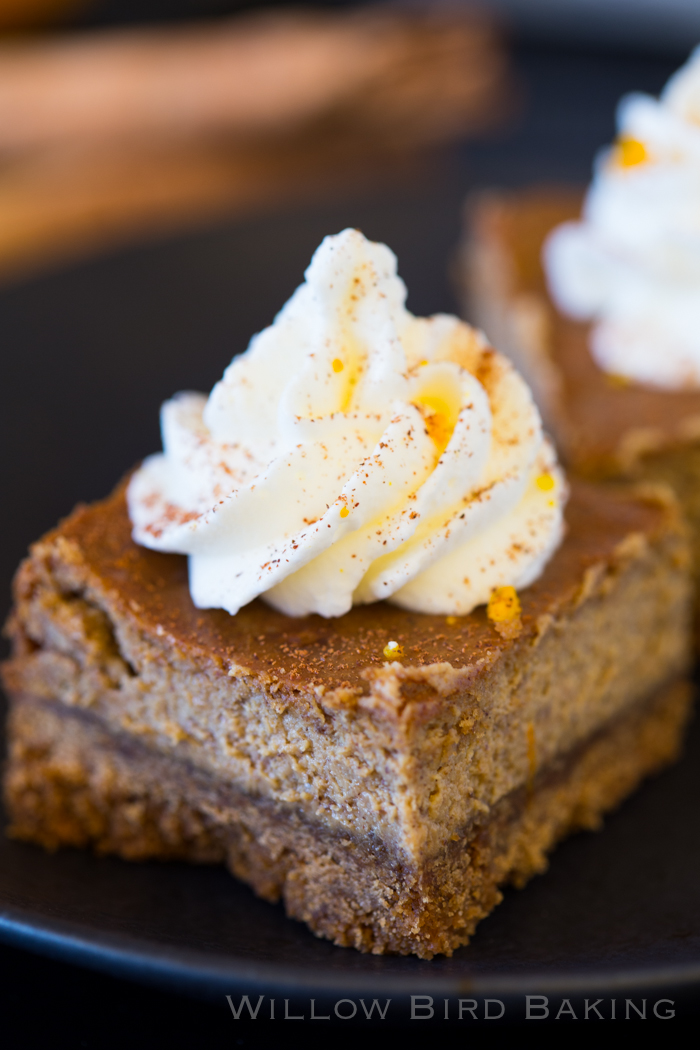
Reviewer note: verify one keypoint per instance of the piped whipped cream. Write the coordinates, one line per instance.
(354, 453)
(632, 265)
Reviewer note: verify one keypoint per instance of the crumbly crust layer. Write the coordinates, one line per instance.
(72, 782)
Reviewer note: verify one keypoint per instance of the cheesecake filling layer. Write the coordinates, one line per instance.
(355, 453)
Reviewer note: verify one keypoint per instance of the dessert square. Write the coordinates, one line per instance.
(383, 772)
(605, 427)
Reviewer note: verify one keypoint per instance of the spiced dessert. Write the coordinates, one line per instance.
(345, 634)
(596, 298)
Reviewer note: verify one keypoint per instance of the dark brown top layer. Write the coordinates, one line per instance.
(596, 410)
(151, 589)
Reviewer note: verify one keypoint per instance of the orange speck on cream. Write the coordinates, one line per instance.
(617, 382)
(338, 365)
(392, 650)
(439, 420)
(344, 512)
(630, 152)
(503, 610)
(545, 482)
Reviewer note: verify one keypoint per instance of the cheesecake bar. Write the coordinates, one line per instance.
(384, 772)
(604, 426)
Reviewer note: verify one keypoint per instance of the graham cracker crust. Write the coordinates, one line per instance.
(71, 781)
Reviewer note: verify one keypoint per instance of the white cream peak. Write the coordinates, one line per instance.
(354, 453)
(632, 264)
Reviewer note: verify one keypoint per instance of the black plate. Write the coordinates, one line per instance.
(88, 355)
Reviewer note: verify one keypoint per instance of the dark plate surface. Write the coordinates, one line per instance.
(88, 354)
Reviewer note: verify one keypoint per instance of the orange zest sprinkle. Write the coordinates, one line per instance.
(504, 604)
(545, 482)
(338, 365)
(438, 421)
(392, 650)
(344, 512)
(617, 382)
(503, 610)
(630, 152)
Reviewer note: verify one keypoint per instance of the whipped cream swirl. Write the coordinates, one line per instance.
(354, 453)
(632, 265)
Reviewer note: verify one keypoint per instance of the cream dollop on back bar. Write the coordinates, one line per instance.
(354, 453)
(632, 265)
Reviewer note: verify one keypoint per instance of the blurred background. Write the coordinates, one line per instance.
(167, 168)
(120, 118)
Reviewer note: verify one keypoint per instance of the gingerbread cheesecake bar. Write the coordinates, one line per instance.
(383, 772)
(596, 297)
(605, 427)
